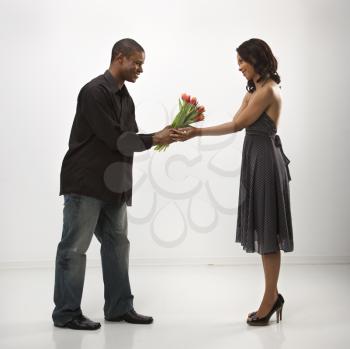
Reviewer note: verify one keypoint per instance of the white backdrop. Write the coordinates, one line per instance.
(185, 199)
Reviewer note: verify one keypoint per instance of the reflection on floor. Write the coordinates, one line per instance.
(194, 307)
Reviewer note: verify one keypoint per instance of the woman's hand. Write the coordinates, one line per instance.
(183, 134)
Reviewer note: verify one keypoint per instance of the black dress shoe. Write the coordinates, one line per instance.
(81, 323)
(133, 318)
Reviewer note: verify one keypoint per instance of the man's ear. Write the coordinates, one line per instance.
(119, 58)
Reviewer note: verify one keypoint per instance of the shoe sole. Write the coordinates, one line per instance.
(130, 322)
(78, 329)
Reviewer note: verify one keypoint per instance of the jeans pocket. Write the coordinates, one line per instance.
(71, 197)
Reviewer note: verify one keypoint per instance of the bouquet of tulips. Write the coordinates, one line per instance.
(189, 113)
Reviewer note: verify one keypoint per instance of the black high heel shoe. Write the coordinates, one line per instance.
(253, 320)
(254, 312)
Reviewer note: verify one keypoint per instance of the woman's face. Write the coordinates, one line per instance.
(246, 68)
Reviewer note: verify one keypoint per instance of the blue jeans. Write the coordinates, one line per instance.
(84, 216)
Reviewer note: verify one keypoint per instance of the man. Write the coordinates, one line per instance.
(96, 181)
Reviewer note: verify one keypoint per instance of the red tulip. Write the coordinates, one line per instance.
(199, 117)
(201, 109)
(190, 112)
(186, 98)
(193, 101)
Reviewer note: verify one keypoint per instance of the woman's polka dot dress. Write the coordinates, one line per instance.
(264, 222)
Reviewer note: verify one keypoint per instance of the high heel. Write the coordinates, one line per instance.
(276, 308)
(254, 312)
(279, 314)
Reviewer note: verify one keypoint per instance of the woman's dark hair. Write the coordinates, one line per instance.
(258, 53)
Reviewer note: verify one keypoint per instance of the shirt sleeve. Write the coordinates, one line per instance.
(97, 109)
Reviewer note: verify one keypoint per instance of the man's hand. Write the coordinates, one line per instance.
(183, 134)
(163, 136)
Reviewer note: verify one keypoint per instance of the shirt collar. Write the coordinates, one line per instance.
(113, 82)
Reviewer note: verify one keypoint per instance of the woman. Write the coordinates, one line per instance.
(264, 223)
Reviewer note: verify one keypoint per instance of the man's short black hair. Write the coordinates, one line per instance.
(126, 47)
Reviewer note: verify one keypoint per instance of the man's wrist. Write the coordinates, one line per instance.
(155, 139)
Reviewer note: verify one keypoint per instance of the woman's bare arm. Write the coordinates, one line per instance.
(252, 107)
(244, 117)
(244, 104)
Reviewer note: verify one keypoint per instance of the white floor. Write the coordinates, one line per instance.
(194, 307)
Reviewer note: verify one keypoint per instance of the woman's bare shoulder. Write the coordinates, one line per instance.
(273, 89)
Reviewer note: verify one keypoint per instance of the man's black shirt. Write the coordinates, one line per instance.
(103, 139)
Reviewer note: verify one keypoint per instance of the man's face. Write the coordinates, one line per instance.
(131, 67)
